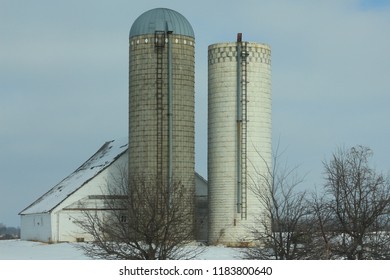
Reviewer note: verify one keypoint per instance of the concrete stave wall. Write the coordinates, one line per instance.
(143, 110)
(225, 223)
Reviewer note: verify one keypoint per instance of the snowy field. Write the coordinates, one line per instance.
(28, 250)
(15, 254)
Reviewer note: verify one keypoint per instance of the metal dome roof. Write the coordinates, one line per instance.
(161, 19)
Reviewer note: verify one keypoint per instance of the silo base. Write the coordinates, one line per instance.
(237, 234)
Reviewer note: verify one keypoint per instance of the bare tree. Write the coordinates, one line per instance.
(9, 232)
(358, 203)
(3, 229)
(322, 224)
(144, 218)
(283, 228)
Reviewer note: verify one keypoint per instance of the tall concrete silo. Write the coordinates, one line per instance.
(161, 97)
(239, 136)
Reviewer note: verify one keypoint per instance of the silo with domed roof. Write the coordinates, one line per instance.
(161, 97)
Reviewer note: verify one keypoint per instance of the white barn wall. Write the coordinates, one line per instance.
(64, 226)
(201, 208)
(59, 225)
(36, 227)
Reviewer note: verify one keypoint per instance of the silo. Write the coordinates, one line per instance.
(161, 97)
(239, 136)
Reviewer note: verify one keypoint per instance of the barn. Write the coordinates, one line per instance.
(53, 216)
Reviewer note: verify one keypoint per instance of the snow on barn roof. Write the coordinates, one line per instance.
(104, 157)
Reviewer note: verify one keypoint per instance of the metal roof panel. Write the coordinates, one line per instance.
(161, 19)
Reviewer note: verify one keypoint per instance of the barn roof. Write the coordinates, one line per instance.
(103, 158)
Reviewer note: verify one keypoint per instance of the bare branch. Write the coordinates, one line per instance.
(147, 219)
(281, 227)
(359, 200)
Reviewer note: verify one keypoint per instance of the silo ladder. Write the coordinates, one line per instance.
(159, 43)
(244, 155)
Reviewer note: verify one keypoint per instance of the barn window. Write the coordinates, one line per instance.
(123, 219)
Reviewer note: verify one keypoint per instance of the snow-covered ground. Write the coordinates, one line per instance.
(28, 250)
(15, 256)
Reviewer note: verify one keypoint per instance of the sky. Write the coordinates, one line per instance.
(64, 81)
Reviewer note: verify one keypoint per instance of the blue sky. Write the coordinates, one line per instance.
(374, 4)
(64, 81)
